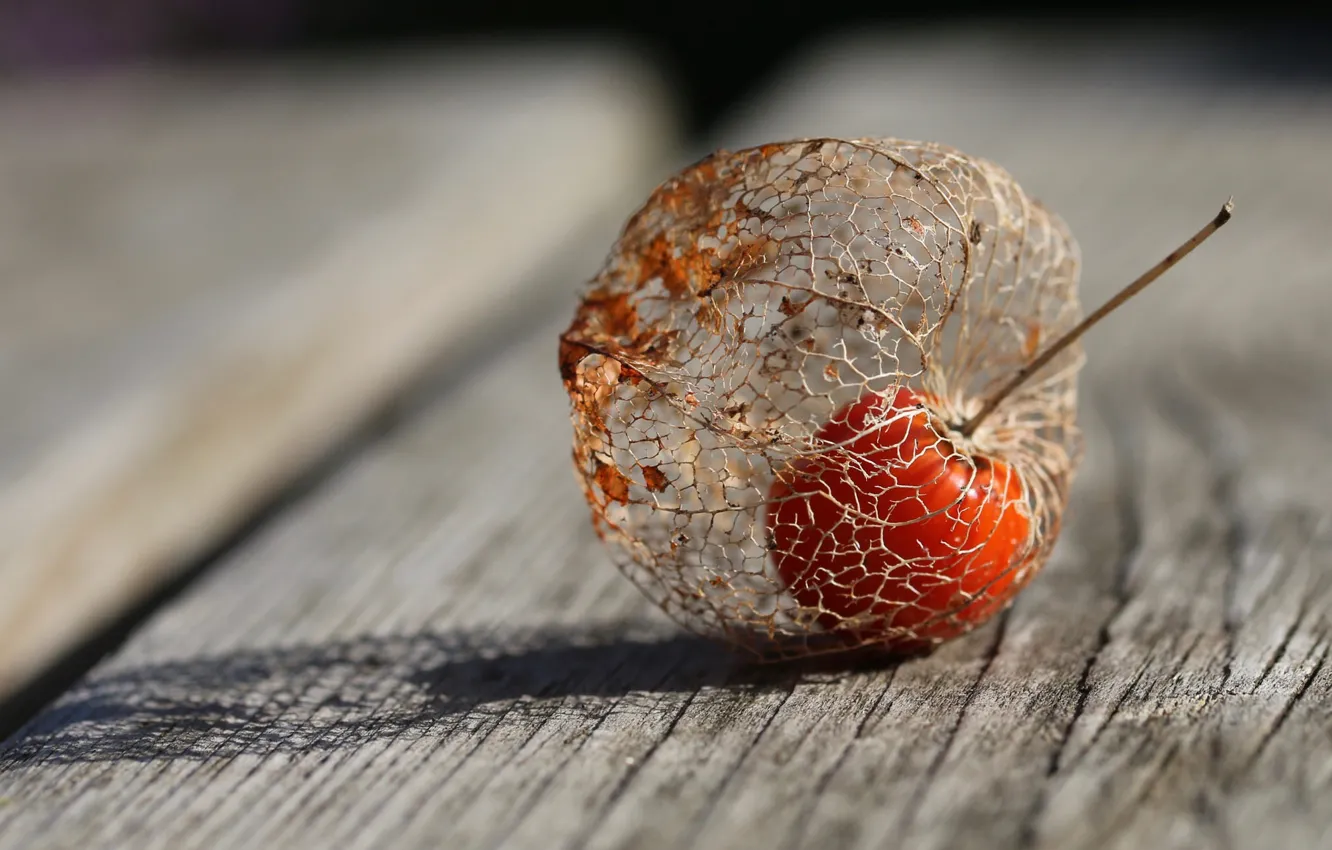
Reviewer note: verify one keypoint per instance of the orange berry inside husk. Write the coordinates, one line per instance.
(893, 535)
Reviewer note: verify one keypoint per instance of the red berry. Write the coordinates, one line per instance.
(894, 534)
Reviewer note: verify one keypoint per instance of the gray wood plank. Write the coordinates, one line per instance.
(433, 651)
(209, 278)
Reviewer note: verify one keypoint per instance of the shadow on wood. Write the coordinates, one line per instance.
(346, 694)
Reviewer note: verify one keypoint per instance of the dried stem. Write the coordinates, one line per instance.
(969, 427)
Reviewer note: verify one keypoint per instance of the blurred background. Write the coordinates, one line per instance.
(234, 233)
(713, 55)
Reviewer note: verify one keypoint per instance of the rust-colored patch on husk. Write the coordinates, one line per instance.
(658, 260)
(792, 308)
(614, 313)
(653, 479)
(612, 482)
(572, 353)
(1032, 343)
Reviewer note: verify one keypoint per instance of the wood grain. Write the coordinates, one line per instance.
(210, 279)
(432, 651)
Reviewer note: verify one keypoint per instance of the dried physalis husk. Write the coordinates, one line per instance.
(772, 379)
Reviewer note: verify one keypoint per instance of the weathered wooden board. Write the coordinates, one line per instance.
(208, 279)
(432, 651)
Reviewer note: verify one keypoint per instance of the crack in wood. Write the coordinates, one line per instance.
(535, 798)
(1288, 708)
(821, 786)
(927, 780)
(1207, 425)
(617, 793)
(701, 818)
(1123, 450)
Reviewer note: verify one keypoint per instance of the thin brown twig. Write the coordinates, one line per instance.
(969, 427)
